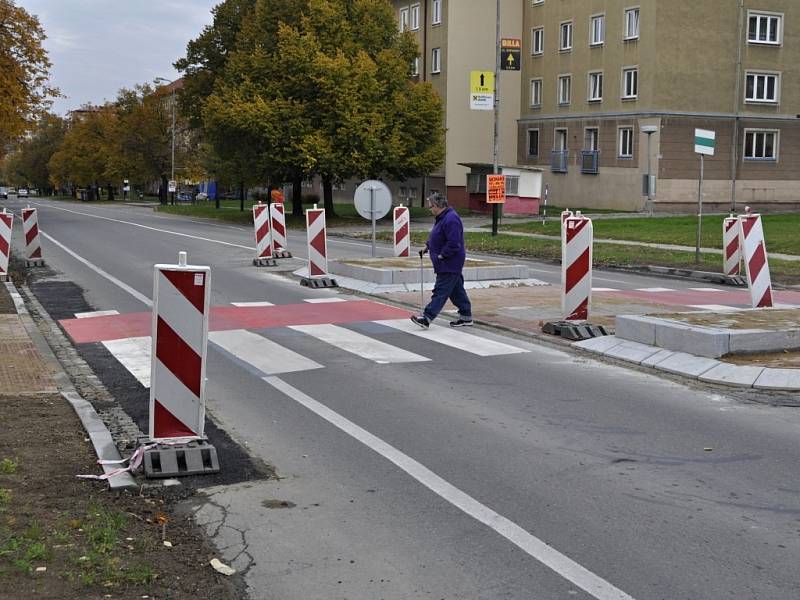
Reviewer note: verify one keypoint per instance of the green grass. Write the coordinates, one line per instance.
(782, 232)
(8, 466)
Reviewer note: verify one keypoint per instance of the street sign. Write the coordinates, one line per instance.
(510, 53)
(481, 90)
(373, 200)
(704, 141)
(173, 185)
(495, 189)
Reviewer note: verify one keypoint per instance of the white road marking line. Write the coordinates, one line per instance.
(453, 338)
(655, 289)
(518, 307)
(594, 585)
(95, 313)
(705, 289)
(265, 355)
(602, 289)
(715, 307)
(782, 305)
(323, 300)
(245, 304)
(134, 354)
(359, 344)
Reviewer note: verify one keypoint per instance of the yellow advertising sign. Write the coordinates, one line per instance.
(495, 189)
(481, 90)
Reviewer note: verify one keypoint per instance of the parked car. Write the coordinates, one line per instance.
(22, 193)
(33, 192)
(4, 192)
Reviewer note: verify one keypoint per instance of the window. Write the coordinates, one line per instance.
(436, 13)
(564, 89)
(403, 19)
(436, 60)
(762, 87)
(598, 30)
(560, 139)
(414, 17)
(533, 143)
(631, 23)
(595, 86)
(764, 28)
(590, 139)
(760, 144)
(565, 41)
(415, 67)
(537, 41)
(626, 142)
(538, 1)
(630, 83)
(536, 92)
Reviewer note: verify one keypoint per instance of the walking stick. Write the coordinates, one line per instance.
(421, 287)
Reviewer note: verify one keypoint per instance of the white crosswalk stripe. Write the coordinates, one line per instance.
(602, 289)
(134, 354)
(715, 307)
(453, 338)
(701, 289)
(96, 313)
(324, 300)
(655, 289)
(262, 353)
(246, 304)
(359, 344)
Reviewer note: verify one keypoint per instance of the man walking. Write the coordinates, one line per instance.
(448, 253)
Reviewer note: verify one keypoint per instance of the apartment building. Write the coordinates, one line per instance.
(598, 72)
(456, 37)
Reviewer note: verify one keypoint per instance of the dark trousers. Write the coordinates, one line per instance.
(449, 285)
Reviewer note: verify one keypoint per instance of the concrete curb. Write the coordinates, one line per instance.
(95, 427)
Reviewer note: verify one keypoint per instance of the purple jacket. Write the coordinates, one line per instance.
(446, 243)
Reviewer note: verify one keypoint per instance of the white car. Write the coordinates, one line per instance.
(22, 193)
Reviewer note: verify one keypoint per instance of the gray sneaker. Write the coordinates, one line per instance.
(421, 320)
(461, 323)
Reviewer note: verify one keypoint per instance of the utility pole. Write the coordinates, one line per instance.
(496, 170)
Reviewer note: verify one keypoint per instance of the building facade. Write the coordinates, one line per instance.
(606, 80)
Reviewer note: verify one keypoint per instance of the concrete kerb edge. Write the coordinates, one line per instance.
(95, 427)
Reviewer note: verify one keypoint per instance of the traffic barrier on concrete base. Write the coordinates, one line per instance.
(261, 224)
(280, 247)
(317, 250)
(576, 268)
(178, 359)
(730, 242)
(33, 246)
(571, 331)
(755, 260)
(402, 232)
(193, 457)
(565, 214)
(6, 227)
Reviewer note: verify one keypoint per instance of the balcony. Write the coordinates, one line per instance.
(558, 161)
(590, 161)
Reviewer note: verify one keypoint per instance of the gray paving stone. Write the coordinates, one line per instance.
(689, 365)
(778, 379)
(636, 329)
(728, 374)
(692, 339)
(657, 358)
(599, 345)
(632, 351)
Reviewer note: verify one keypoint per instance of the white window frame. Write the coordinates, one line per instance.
(625, 72)
(537, 2)
(756, 132)
(538, 142)
(414, 17)
(631, 23)
(537, 49)
(557, 137)
(536, 82)
(436, 60)
(415, 67)
(436, 12)
(768, 16)
(766, 75)
(595, 82)
(597, 40)
(564, 85)
(403, 19)
(565, 26)
(596, 138)
(623, 132)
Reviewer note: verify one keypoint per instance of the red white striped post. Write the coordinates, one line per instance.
(755, 260)
(565, 214)
(30, 227)
(402, 231)
(6, 226)
(280, 248)
(576, 268)
(263, 236)
(178, 362)
(317, 250)
(730, 242)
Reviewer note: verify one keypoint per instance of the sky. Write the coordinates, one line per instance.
(100, 46)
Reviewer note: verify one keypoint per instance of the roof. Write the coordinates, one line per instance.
(489, 167)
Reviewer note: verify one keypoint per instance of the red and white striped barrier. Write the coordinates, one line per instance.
(6, 226)
(576, 267)
(261, 224)
(730, 242)
(317, 250)
(33, 247)
(565, 214)
(755, 260)
(402, 231)
(280, 248)
(180, 337)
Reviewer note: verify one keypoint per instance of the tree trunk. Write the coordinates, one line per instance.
(162, 190)
(241, 196)
(327, 195)
(110, 189)
(297, 197)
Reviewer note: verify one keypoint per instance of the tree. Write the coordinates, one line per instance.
(28, 163)
(24, 72)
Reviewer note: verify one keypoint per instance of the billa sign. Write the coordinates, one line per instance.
(495, 189)
(510, 53)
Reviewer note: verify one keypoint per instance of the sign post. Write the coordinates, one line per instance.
(704, 141)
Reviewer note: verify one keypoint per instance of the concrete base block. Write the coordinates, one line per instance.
(701, 341)
(632, 351)
(318, 282)
(34, 262)
(758, 340)
(4, 277)
(264, 262)
(282, 254)
(728, 374)
(778, 379)
(191, 458)
(689, 365)
(636, 329)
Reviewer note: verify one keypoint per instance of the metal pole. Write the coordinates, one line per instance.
(649, 179)
(173, 143)
(699, 212)
(372, 213)
(736, 104)
(495, 207)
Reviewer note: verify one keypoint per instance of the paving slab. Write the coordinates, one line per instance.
(681, 363)
(728, 374)
(632, 351)
(600, 345)
(778, 379)
(659, 356)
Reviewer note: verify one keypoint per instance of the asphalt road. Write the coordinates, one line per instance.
(532, 474)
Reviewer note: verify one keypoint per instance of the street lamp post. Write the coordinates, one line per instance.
(649, 130)
(172, 168)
